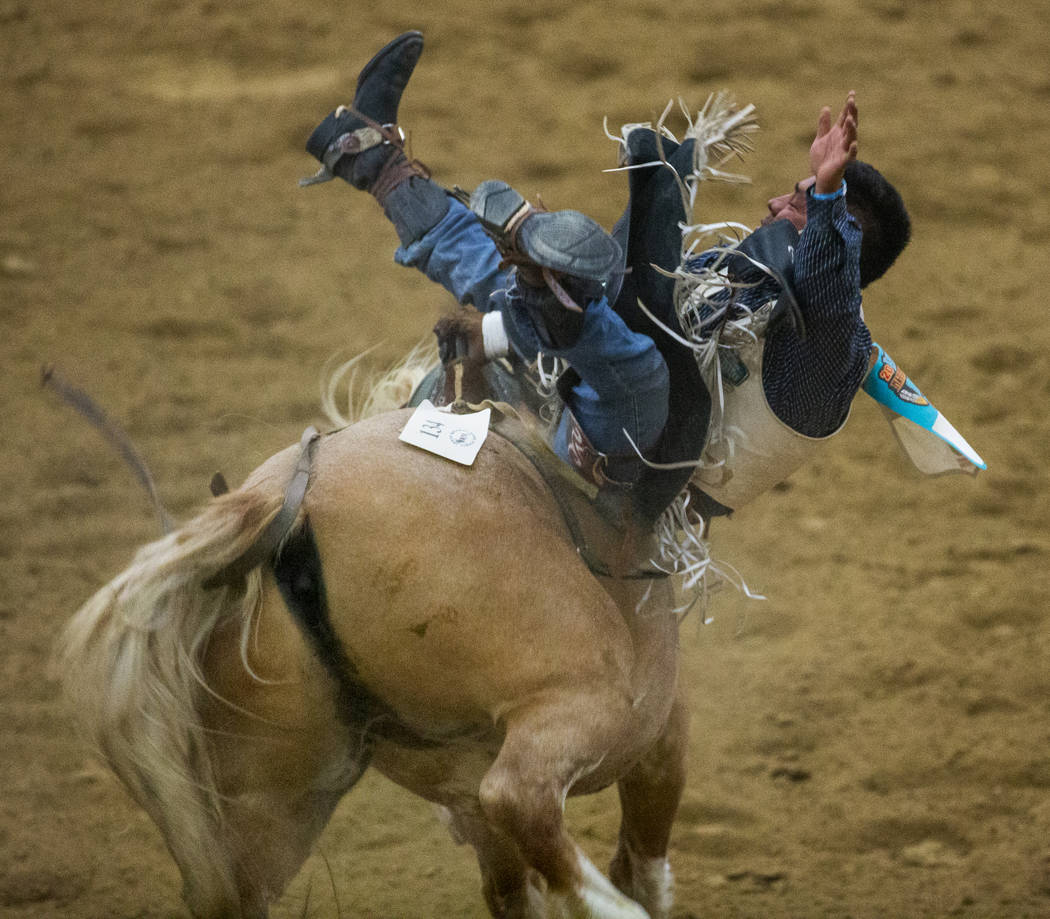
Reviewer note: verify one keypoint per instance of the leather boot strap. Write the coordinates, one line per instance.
(394, 171)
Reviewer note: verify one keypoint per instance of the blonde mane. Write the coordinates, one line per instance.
(348, 395)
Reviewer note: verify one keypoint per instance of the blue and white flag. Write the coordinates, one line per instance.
(925, 435)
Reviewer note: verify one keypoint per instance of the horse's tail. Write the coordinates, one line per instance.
(132, 661)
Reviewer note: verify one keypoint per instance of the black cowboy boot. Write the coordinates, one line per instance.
(350, 142)
(362, 144)
(563, 258)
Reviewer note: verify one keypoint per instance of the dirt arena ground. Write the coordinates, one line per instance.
(871, 741)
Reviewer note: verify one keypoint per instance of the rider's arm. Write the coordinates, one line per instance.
(810, 383)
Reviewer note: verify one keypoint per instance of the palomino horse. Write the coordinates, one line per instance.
(458, 644)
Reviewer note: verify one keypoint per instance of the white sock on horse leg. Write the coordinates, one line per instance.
(596, 897)
(652, 884)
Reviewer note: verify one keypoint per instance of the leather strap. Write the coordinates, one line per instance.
(269, 540)
(393, 172)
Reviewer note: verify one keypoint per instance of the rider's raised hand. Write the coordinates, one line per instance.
(834, 147)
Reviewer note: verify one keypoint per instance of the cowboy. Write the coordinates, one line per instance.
(640, 407)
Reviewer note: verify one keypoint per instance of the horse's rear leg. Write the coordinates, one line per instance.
(548, 747)
(649, 798)
(271, 830)
(281, 757)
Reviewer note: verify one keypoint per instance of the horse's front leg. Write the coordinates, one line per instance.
(649, 797)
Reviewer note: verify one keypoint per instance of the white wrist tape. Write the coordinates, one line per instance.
(494, 335)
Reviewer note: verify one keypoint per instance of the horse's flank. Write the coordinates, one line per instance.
(480, 587)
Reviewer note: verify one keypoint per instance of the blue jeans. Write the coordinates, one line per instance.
(625, 384)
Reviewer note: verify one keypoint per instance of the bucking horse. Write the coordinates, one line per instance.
(359, 602)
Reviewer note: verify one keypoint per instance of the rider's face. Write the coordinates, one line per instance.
(792, 206)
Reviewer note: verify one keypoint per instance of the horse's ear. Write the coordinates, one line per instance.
(218, 485)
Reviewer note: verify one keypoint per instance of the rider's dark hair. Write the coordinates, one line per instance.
(878, 208)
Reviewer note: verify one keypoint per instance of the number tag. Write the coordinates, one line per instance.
(455, 437)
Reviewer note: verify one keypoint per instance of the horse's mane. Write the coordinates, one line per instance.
(348, 396)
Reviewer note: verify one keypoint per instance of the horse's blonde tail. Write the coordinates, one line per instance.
(132, 664)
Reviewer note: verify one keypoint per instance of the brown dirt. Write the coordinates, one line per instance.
(871, 741)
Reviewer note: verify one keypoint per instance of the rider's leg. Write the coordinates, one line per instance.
(361, 145)
(457, 254)
(468, 252)
(556, 305)
(625, 379)
(621, 401)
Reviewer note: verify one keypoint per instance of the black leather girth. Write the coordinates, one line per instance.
(297, 570)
